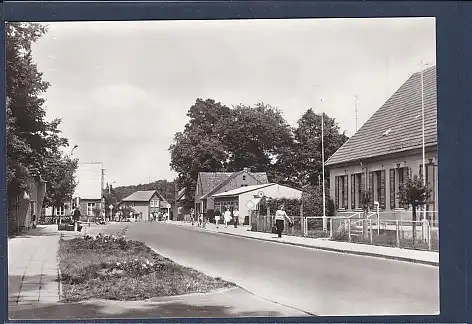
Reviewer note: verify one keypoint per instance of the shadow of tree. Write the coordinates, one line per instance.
(92, 311)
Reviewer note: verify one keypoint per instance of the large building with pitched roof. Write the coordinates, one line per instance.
(387, 149)
(211, 183)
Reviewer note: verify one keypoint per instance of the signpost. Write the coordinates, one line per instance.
(168, 211)
(111, 211)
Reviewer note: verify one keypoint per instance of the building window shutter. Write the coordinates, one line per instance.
(382, 201)
(392, 188)
(336, 192)
(346, 192)
(371, 189)
(353, 191)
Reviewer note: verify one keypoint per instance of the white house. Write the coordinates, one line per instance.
(246, 199)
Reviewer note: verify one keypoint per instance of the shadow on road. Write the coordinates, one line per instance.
(141, 310)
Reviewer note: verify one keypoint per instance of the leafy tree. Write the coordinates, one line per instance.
(200, 147)
(255, 137)
(302, 164)
(31, 139)
(414, 193)
(61, 180)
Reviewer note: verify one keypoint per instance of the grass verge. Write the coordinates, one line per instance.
(112, 268)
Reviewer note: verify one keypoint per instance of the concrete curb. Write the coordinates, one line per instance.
(371, 254)
(59, 273)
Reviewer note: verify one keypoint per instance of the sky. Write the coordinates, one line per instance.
(122, 89)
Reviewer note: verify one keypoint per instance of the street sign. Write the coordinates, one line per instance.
(168, 206)
(111, 207)
(261, 194)
(250, 205)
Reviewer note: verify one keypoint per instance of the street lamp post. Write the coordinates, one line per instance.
(325, 220)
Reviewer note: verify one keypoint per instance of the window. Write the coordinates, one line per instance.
(356, 190)
(90, 208)
(244, 177)
(152, 203)
(244, 185)
(397, 179)
(60, 211)
(341, 192)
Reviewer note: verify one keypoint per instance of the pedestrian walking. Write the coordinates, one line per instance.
(235, 217)
(76, 217)
(33, 220)
(227, 217)
(280, 216)
(217, 217)
(192, 215)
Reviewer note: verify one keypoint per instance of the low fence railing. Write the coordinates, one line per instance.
(354, 228)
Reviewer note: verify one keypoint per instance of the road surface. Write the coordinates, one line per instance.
(314, 281)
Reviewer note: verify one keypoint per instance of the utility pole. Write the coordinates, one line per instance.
(325, 220)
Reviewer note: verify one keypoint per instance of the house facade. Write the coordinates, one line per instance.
(23, 207)
(144, 203)
(88, 194)
(211, 183)
(387, 150)
(246, 199)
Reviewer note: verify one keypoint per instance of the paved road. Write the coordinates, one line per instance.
(317, 282)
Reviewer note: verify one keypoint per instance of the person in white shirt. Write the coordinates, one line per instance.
(227, 217)
(235, 217)
(280, 216)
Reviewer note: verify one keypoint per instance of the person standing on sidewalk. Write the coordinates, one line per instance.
(227, 217)
(76, 217)
(217, 217)
(235, 217)
(280, 216)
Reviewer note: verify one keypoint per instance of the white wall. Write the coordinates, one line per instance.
(275, 191)
(89, 177)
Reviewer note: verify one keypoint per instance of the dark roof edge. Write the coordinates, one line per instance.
(383, 156)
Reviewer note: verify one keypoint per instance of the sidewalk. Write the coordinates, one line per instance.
(32, 267)
(34, 289)
(424, 257)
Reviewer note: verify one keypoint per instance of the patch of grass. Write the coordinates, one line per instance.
(120, 269)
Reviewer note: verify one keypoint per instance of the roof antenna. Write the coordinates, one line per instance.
(386, 77)
(355, 97)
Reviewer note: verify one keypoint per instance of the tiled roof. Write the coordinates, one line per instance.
(211, 181)
(397, 125)
(141, 196)
(242, 190)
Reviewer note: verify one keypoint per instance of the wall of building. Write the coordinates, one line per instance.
(244, 179)
(24, 206)
(412, 161)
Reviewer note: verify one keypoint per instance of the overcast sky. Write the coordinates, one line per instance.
(123, 88)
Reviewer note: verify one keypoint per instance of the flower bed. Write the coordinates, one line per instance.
(112, 267)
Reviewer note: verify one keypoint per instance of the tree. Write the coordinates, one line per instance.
(302, 162)
(413, 192)
(255, 137)
(61, 180)
(31, 139)
(366, 200)
(199, 147)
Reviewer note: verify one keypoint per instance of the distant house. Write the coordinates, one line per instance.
(387, 149)
(144, 203)
(88, 194)
(246, 199)
(211, 183)
(23, 207)
(180, 209)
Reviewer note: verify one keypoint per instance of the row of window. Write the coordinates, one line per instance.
(376, 185)
(222, 206)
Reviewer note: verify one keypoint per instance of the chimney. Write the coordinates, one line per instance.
(247, 170)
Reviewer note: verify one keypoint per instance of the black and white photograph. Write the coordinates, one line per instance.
(222, 168)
